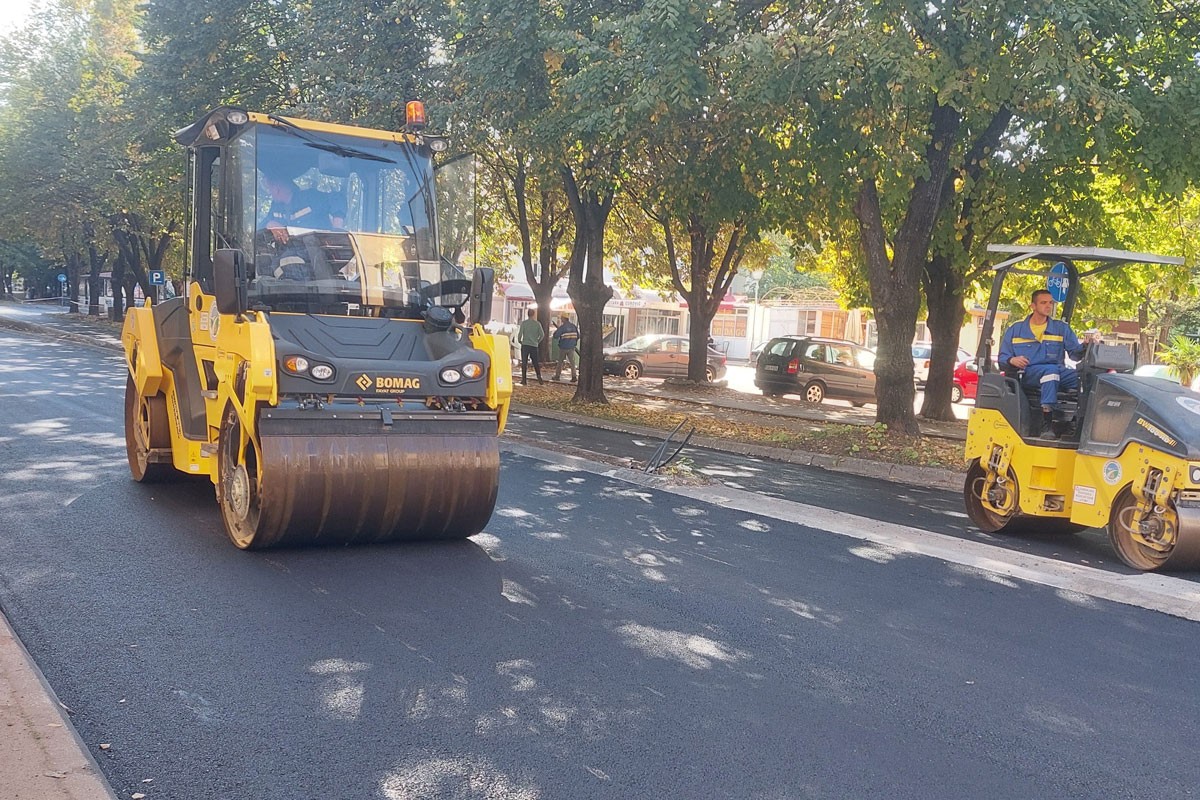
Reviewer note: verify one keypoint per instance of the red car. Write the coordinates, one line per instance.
(966, 380)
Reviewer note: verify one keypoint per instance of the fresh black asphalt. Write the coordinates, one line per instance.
(930, 509)
(598, 640)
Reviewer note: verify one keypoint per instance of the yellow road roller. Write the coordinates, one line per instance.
(1127, 452)
(326, 367)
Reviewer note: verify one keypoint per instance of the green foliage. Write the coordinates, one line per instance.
(890, 139)
(1183, 356)
(991, 117)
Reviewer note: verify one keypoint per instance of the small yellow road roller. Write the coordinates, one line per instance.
(1126, 455)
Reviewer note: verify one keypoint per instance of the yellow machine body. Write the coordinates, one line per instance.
(340, 404)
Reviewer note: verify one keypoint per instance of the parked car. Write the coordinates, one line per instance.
(922, 352)
(966, 379)
(756, 352)
(816, 368)
(659, 355)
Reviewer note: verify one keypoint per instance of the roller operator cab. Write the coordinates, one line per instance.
(326, 369)
(1127, 456)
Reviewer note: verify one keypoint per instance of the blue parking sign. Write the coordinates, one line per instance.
(1059, 282)
(158, 277)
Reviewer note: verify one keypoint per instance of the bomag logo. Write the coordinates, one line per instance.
(387, 383)
(1157, 431)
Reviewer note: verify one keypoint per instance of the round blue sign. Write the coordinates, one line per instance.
(1059, 282)
(62, 278)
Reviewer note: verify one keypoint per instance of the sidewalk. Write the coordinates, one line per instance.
(41, 758)
(55, 321)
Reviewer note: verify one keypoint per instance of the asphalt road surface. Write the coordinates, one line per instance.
(927, 508)
(600, 639)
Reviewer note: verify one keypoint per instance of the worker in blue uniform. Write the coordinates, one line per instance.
(1038, 346)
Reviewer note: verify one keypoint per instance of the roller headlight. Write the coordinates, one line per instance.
(467, 372)
(297, 365)
(1194, 473)
(322, 372)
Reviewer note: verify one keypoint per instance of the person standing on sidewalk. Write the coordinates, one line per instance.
(566, 336)
(529, 336)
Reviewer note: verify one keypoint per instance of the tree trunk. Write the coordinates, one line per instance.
(96, 261)
(117, 286)
(944, 284)
(895, 281)
(586, 284)
(74, 271)
(943, 299)
(895, 300)
(703, 291)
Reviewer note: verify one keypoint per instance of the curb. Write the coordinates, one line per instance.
(41, 754)
(932, 477)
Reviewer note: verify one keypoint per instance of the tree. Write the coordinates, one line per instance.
(502, 96)
(48, 176)
(1155, 295)
(700, 171)
(19, 258)
(554, 75)
(907, 106)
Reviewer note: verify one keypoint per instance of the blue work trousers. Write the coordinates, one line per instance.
(1049, 378)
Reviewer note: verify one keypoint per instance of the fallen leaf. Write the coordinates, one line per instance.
(105, 746)
(137, 796)
(59, 775)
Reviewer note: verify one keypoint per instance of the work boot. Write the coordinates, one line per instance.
(1048, 431)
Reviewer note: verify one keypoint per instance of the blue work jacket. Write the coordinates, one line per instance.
(1057, 341)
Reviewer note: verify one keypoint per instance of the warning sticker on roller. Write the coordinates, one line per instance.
(1085, 495)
